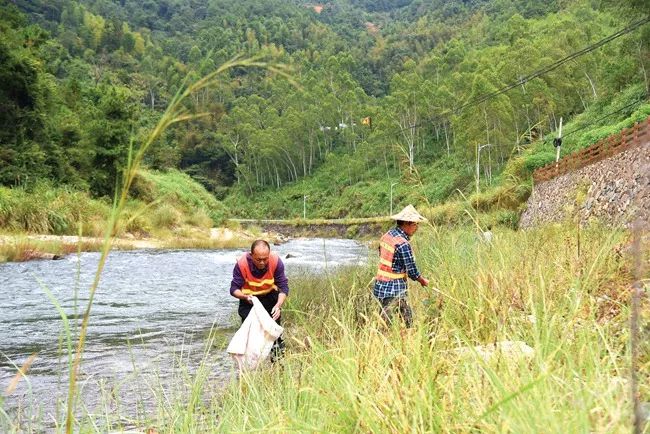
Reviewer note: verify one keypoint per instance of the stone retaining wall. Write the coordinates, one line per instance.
(615, 191)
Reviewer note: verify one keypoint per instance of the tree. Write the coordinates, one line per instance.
(108, 136)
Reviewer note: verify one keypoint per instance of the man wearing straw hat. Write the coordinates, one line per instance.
(396, 263)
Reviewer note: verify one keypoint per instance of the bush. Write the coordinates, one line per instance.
(506, 196)
(537, 160)
(179, 191)
(134, 220)
(165, 216)
(448, 213)
(351, 231)
(200, 218)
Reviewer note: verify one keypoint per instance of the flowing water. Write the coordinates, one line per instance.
(150, 321)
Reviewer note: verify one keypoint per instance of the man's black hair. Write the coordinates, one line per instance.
(258, 243)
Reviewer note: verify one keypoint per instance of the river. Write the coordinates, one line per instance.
(150, 320)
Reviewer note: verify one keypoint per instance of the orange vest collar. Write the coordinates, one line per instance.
(254, 285)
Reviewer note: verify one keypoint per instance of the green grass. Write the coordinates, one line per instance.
(181, 199)
(345, 373)
(561, 290)
(162, 203)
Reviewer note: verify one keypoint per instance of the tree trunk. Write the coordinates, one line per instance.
(593, 87)
(645, 74)
(447, 140)
(152, 98)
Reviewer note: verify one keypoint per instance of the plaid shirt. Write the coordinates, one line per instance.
(403, 259)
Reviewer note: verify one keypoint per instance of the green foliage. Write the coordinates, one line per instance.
(175, 192)
(47, 210)
(108, 135)
(81, 82)
(500, 218)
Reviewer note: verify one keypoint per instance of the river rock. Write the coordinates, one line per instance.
(292, 255)
(279, 239)
(35, 254)
(644, 410)
(512, 350)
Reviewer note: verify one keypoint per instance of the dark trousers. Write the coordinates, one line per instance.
(390, 304)
(268, 301)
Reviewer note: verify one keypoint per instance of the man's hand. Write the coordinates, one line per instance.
(275, 312)
(423, 281)
(243, 297)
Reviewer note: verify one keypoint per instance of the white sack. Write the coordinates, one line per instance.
(252, 343)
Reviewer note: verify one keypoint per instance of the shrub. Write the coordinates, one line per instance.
(506, 196)
(200, 218)
(508, 218)
(537, 160)
(351, 231)
(448, 213)
(165, 216)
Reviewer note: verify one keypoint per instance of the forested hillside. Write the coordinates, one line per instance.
(384, 97)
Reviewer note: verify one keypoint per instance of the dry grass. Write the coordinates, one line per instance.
(22, 248)
(345, 372)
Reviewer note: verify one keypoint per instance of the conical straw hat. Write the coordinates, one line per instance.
(409, 214)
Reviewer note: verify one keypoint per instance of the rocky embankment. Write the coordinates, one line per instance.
(615, 191)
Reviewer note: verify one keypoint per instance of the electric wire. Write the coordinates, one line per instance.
(529, 77)
(633, 103)
(556, 64)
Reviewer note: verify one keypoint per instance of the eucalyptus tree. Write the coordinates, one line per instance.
(411, 95)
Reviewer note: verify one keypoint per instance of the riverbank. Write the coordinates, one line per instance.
(26, 247)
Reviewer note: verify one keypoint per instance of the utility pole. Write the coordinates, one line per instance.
(557, 142)
(478, 165)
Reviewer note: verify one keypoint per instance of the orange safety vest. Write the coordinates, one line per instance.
(254, 285)
(387, 245)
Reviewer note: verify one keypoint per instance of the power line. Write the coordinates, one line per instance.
(534, 74)
(556, 64)
(605, 116)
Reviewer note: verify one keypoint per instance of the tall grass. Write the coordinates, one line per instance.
(20, 249)
(564, 292)
(172, 201)
(178, 188)
(45, 209)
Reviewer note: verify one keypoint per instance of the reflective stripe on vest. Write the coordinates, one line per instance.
(387, 246)
(254, 285)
